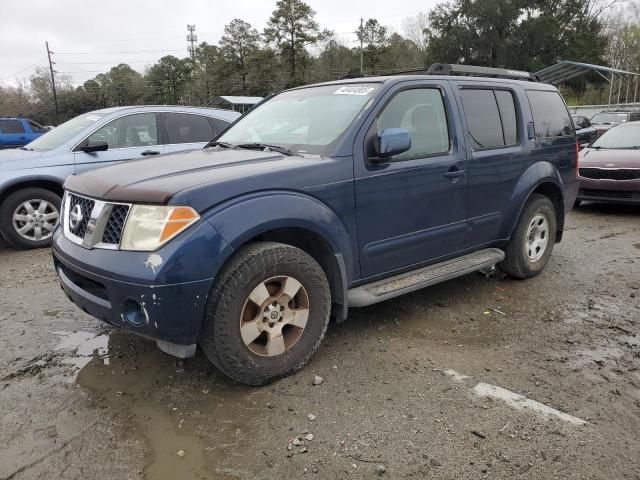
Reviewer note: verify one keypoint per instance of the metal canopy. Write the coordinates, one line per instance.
(566, 70)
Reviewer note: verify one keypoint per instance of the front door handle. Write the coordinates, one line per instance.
(454, 173)
(150, 152)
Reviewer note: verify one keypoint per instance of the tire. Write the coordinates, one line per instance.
(15, 204)
(577, 203)
(230, 305)
(525, 258)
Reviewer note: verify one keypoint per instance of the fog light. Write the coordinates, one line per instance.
(134, 313)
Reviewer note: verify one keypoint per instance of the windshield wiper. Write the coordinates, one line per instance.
(220, 144)
(276, 148)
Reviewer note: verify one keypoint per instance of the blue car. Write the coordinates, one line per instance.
(322, 198)
(16, 132)
(31, 177)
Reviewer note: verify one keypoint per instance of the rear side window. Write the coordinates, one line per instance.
(185, 128)
(11, 126)
(491, 117)
(550, 115)
(37, 127)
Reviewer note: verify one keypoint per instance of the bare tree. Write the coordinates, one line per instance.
(415, 29)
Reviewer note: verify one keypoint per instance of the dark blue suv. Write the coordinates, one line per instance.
(322, 198)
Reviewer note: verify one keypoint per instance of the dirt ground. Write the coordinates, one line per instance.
(402, 390)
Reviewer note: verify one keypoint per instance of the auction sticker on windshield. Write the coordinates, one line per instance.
(354, 90)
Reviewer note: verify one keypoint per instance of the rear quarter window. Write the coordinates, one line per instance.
(550, 115)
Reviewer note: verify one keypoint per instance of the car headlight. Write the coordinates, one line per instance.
(148, 227)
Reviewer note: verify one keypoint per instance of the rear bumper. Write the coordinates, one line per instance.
(610, 191)
(110, 285)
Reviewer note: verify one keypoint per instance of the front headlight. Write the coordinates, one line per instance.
(148, 227)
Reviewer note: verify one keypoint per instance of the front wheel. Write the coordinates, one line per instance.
(267, 313)
(532, 242)
(28, 217)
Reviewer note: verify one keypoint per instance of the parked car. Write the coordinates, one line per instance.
(603, 121)
(610, 168)
(368, 189)
(584, 131)
(16, 132)
(31, 177)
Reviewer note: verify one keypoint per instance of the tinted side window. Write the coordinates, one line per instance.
(421, 111)
(507, 107)
(137, 130)
(184, 128)
(550, 115)
(11, 126)
(483, 118)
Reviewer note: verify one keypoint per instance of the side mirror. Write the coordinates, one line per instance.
(95, 146)
(393, 141)
(584, 145)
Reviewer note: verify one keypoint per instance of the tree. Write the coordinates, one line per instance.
(123, 85)
(375, 40)
(169, 78)
(238, 44)
(290, 29)
(516, 34)
(416, 29)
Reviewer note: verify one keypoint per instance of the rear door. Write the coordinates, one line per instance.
(187, 131)
(13, 133)
(130, 137)
(411, 208)
(498, 152)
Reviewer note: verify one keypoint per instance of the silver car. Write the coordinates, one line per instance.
(31, 177)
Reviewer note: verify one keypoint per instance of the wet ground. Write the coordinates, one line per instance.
(475, 378)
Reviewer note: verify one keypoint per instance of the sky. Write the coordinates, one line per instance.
(89, 37)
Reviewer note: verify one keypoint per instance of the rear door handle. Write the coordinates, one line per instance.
(150, 152)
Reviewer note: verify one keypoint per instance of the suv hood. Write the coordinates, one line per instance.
(609, 158)
(202, 178)
(16, 159)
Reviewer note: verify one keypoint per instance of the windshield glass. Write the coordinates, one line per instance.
(623, 136)
(63, 133)
(603, 118)
(309, 120)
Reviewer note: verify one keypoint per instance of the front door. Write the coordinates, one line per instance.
(411, 208)
(129, 137)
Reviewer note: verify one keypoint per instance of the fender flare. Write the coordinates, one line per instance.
(533, 177)
(29, 179)
(239, 220)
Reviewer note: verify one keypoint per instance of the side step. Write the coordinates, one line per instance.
(424, 277)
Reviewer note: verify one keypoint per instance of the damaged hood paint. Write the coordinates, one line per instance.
(206, 177)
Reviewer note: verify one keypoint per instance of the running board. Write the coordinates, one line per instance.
(423, 277)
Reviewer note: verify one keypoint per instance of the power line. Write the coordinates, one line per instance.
(120, 52)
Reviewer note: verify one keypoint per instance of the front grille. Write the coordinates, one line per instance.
(79, 229)
(610, 174)
(586, 192)
(113, 230)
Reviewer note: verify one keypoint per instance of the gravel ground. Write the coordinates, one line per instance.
(401, 395)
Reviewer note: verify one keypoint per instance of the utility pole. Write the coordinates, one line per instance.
(361, 47)
(192, 38)
(53, 82)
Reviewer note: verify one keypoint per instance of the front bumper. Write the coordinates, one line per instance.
(172, 296)
(610, 191)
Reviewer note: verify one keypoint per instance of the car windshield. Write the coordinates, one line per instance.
(622, 137)
(308, 120)
(604, 118)
(63, 133)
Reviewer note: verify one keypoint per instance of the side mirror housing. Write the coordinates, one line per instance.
(393, 141)
(96, 146)
(584, 145)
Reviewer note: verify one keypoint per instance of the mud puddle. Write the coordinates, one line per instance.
(194, 422)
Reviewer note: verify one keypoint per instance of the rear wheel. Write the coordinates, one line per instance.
(267, 313)
(532, 242)
(28, 217)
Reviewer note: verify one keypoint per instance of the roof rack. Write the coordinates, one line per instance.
(474, 71)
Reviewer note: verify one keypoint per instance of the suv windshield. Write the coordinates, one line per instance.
(623, 136)
(65, 132)
(308, 120)
(604, 118)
